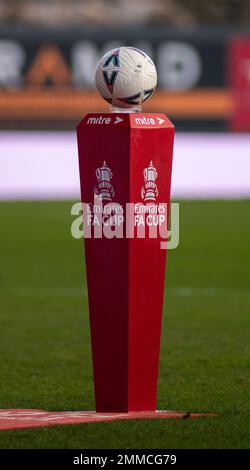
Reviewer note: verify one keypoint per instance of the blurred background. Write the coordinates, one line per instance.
(49, 50)
(48, 55)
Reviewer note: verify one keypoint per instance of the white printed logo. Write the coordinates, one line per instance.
(149, 190)
(118, 119)
(104, 188)
(160, 121)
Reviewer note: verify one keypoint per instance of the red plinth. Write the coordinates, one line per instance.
(125, 158)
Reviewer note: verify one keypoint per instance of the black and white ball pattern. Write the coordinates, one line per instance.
(126, 77)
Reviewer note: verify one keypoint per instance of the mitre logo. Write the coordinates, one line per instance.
(104, 188)
(149, 190)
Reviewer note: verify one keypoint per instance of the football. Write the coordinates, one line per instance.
(126, 77)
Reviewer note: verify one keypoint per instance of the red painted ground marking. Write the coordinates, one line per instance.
(25, 418)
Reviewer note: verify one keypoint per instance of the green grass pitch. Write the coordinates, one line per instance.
(44, 331)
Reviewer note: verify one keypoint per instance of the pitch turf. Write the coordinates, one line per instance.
(45, 345)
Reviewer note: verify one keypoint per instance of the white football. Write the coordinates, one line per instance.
(126, 77)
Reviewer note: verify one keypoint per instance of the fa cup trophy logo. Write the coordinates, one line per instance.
(104, 188)
(149, 190)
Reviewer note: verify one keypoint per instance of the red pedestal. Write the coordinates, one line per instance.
(125, 158)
